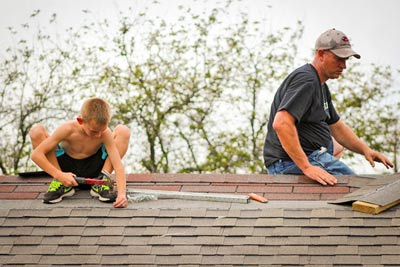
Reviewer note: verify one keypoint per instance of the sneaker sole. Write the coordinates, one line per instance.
(95, 194)
(68, 194)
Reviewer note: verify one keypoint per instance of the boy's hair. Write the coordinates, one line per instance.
(96, 109)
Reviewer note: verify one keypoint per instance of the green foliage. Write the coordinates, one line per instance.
(36, 87)
(196, 89)
(369, 103)
(195, 92)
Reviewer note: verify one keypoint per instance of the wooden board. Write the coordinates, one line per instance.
(372, 208)
(164, 194)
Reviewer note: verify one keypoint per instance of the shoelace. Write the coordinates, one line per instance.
(102, 187)
(55, 185)
(105, 187)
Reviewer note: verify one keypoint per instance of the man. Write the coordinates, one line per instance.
(85, 147)
(303, 119)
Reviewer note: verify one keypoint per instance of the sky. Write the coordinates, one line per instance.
(371, 25)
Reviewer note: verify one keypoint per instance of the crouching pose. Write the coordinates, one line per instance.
(85, 147)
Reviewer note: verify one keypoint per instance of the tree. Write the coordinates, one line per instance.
(36, 87)
(195, 92)
(176, 81)
(368, 102)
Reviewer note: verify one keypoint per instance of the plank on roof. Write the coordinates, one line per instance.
(371, 208)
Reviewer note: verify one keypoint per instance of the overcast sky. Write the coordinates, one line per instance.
(372, 25)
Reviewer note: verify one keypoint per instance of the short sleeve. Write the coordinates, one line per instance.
(297, 100)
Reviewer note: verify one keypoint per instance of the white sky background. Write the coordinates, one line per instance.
(373, 26)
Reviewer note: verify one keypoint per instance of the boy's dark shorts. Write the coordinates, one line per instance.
(89, 167)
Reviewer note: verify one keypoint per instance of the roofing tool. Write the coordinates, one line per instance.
(166, 194)
(92, 181)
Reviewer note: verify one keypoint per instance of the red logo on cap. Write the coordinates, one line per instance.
(345, 39)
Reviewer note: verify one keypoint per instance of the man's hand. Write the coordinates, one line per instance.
(121, 201)
(372, 156)
(321, 176)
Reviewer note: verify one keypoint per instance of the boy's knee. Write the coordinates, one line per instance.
(122, 132)
(37, 132)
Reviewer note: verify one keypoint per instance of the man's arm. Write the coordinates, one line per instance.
(284, 125)
(347, 138)
(39, 156)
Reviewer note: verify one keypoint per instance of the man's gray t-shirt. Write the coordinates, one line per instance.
(302, 95)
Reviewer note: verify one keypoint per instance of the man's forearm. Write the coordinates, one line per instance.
(347, 138)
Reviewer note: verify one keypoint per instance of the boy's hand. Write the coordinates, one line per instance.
(67, 179)
(121, 201)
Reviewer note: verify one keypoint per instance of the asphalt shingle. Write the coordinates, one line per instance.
(83, 231)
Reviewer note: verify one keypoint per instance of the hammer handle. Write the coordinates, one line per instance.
(82, 180)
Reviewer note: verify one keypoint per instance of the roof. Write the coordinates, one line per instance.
(297, 227)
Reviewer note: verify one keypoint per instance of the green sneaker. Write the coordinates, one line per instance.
(103, 192)
(56, 192)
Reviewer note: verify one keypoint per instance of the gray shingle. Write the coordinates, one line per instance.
(268, 222)
(76, 250)
(293, 250)
(70, 240)
(20, 221)
(60, 212)
(135, 240)
(208, 231)
(238, 250)
(141, 259)
(224, 221)
(347, 259)
(238, 231)
(21, 231)
(6, 249)
(6, 231)
(24, 259)
(86, 240)
(176, 259)
(390, 259)
(178, 233)
(149, 221)
(50, 240)
(119, 249)
(346, 249)
(371, 260)
(110, 240)
(28, 240)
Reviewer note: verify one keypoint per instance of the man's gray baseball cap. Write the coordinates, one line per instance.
(337, 42)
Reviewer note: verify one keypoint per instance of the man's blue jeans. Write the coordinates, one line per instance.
(320, 158)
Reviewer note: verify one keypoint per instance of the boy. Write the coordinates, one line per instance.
(84, 147)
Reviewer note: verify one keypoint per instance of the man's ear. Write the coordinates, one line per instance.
(80, 120)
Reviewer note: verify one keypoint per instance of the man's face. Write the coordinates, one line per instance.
(333, 65)
(93, 129)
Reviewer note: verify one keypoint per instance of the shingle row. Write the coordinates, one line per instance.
(199, 237)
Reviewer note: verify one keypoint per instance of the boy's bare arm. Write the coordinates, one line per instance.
(119, 169)
(39, 156)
